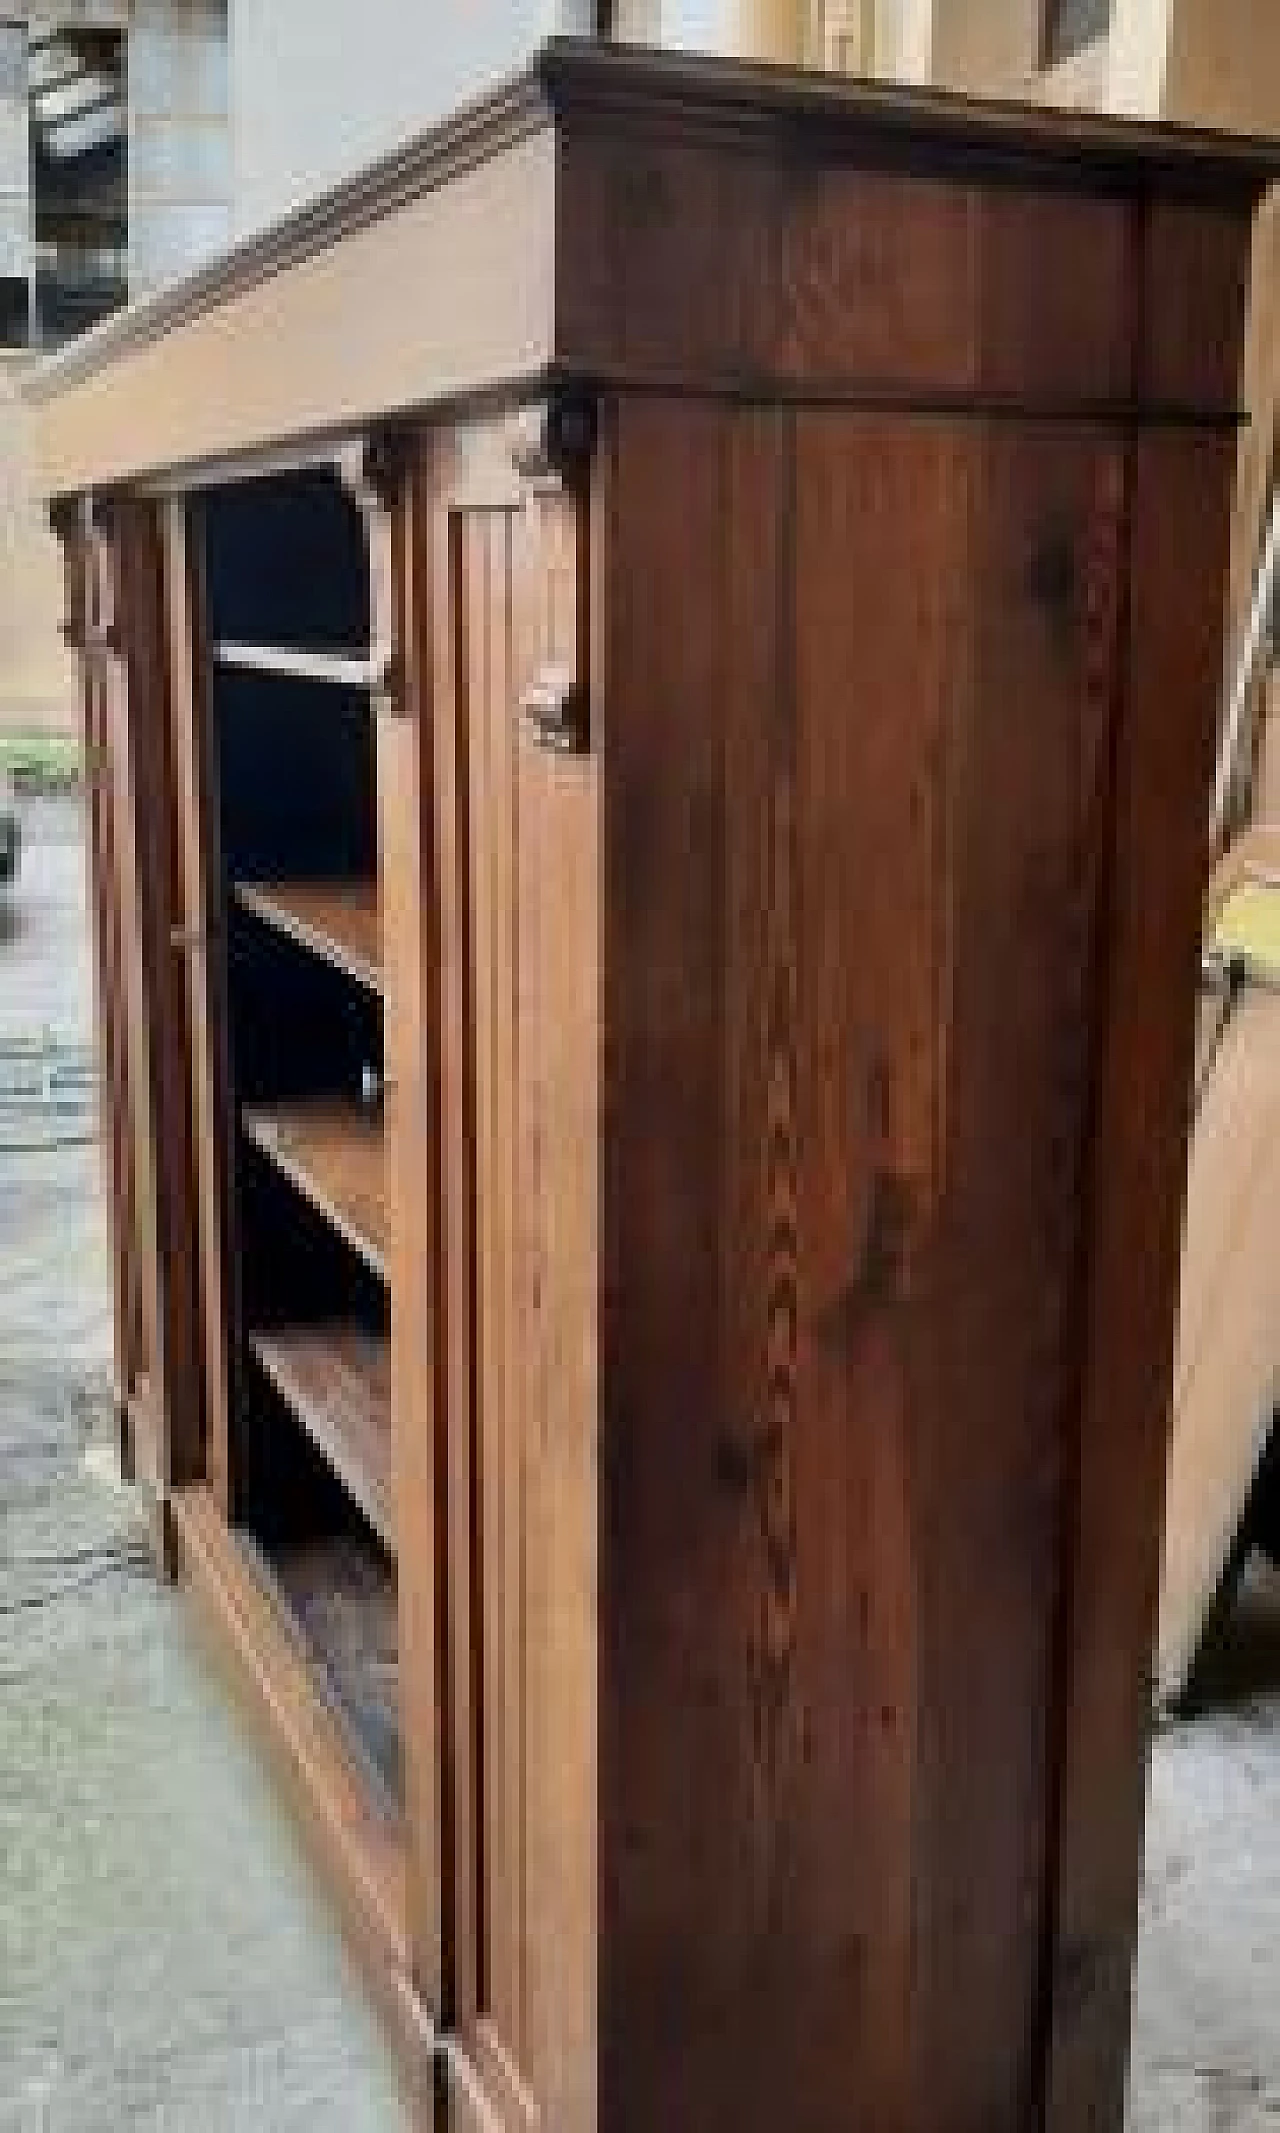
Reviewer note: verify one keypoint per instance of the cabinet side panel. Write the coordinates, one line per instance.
(862, 705)
(1180, 508)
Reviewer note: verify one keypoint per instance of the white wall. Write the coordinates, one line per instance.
(179, 138)
(320, 87)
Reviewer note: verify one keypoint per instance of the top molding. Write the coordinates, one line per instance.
(480, 230)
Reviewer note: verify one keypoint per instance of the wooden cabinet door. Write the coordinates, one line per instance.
(518, 852)
(88, 592)
(139, 874)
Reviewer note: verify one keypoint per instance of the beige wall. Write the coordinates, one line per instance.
(1223, 64)
(37, 680)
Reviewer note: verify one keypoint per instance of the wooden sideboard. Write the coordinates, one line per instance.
(650, 672)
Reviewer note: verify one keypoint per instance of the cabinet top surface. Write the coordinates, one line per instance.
(497, 172)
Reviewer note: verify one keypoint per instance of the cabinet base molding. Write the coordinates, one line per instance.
(355, 1845)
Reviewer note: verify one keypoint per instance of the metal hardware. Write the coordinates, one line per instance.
(555, 710)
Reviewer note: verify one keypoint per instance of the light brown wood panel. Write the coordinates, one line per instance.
(461, 1810)
(517, 603)
(559, 547)
(333, 1153)
(410, 951)
(338, 920)
(487, 595)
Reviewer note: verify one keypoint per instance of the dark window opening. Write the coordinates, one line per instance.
(1070, 26)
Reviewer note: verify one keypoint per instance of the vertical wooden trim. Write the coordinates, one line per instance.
(557, 589)
(1180, 505)
(460, 2004)
(411, 954)
(149, 870)
(112, 1120)
(200, 954)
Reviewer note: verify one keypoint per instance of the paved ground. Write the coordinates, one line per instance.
(165, 1960)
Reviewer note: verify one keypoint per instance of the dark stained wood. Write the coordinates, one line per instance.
(786, 1055)
(858, 924)
(337, 1380)
(1179, 507)
(152, 899)
(201, 951)
(694, 270)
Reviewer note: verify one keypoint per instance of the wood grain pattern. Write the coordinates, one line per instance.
(1179, 507)
(202, 954)
(630, 216)
(333, 1153)
(410, 972)
(785, 1095)
(152, 897)
(560, 570)
(338, 920)
(337, 1380)
(851, 930)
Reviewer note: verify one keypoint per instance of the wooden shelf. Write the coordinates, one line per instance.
(344, 1813)
(339, 920)
(337, 1381)
(332, 1153)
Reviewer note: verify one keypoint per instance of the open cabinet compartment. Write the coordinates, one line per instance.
(311, 1480)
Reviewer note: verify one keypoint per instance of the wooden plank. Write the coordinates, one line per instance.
(203, 957)
(419, 1322)
(340, 921)
(1179, 507)
(457, 1126)
(333, 1154)
(494, 845)
(555, 1412)
(152, 898)
(840, 1297)
(337, 1381)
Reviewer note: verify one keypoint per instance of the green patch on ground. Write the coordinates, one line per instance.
(40, 760)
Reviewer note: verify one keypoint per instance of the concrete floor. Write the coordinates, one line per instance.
(165, 1959)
